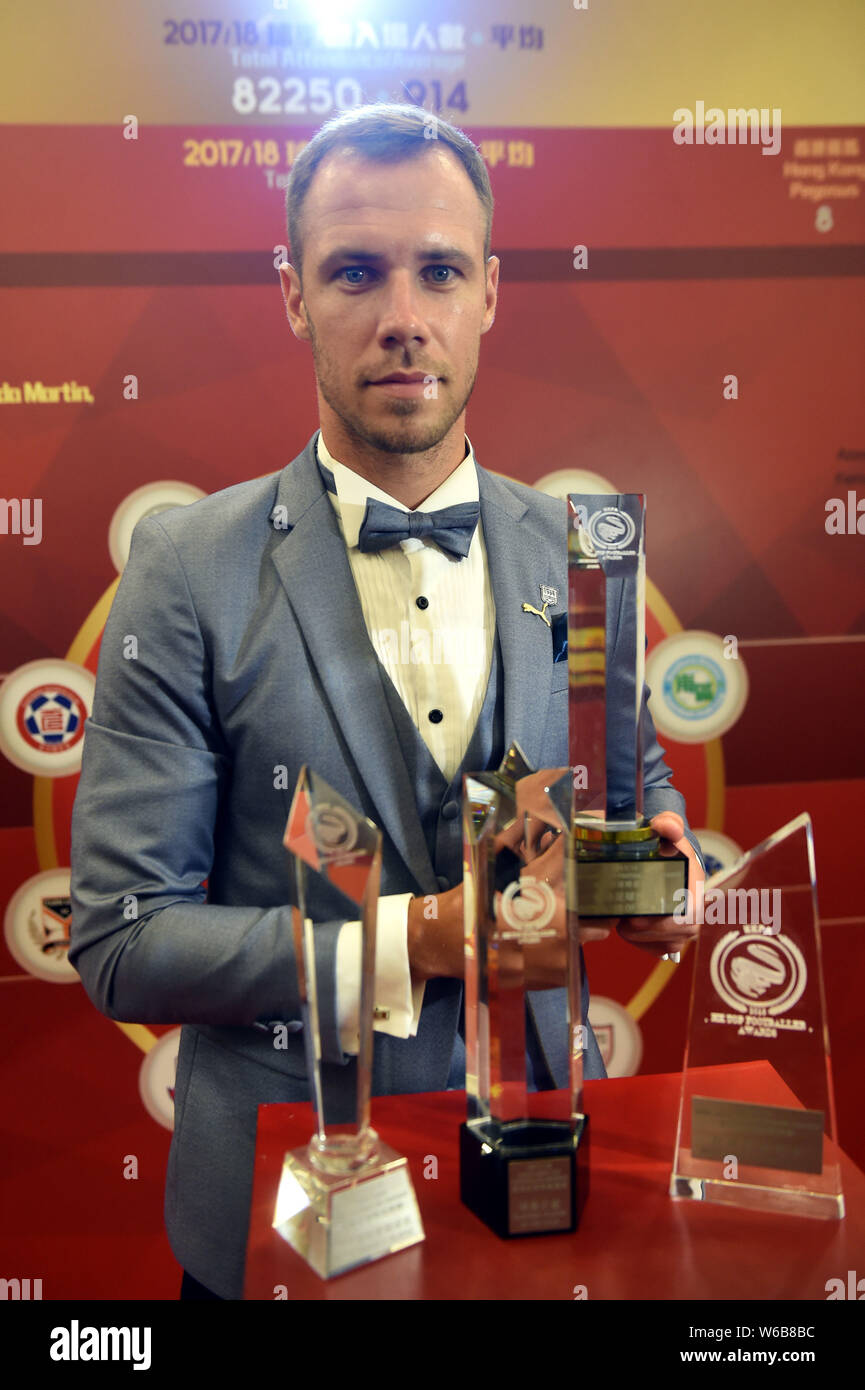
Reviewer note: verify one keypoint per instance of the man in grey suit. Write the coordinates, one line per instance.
(265, 619)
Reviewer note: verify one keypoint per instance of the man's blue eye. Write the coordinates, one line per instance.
(364, 270)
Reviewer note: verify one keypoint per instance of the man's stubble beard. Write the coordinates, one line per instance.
(387, 441)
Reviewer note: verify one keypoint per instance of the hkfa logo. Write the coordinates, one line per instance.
(332, 830)
(51, 718)
(756, 976)
(610, 529)
(695, 686)
(528, 906)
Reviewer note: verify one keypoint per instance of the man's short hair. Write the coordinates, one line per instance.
(387, 132)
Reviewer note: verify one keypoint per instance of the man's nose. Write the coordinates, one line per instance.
(402, 317)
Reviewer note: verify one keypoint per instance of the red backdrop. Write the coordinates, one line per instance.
(124, 261)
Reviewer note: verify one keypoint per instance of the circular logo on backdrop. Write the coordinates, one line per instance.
(43, 706)
(698, 691)
(50, 718)
(567, 480)
(695, 687)
(36, 927)
(719, 851)
(331, 829)
(618, 1036)
(528, 905)
(157, 1076)
(149, 500)
(754, 975)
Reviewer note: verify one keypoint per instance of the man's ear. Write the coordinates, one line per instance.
(492, 291)
(292, 294)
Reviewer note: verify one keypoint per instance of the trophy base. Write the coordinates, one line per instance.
(797, 1199)
(528, 1181)
(337, 1222)
(631, 887)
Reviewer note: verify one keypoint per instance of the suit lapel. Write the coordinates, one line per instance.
(520, 561)
(312, 564)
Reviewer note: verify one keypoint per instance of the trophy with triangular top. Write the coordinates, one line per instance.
(757, 1112)
(346, 1198)
(523, 1153)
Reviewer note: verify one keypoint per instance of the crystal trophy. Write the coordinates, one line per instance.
(523, 1154)
(757, 1113)
(620, 869)
(346, 1198)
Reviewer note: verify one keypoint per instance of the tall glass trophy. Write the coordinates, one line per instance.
(346, 1198)
(523, 1155)
(620, 870)
(757, 1113)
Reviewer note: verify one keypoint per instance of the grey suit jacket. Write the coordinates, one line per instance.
(251, 658)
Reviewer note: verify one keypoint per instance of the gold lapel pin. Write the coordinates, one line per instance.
(549, 595)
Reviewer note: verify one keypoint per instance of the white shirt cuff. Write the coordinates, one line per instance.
(398, 1000)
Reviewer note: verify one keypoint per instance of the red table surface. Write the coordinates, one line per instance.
(634, 1241)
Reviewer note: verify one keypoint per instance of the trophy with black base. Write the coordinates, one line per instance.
(523, 1154)
(346, 1198)
(620, 869)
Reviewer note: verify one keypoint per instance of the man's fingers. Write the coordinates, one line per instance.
(659, 949)
(659, 935)
(669, 826)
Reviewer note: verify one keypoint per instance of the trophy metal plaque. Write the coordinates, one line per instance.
(620, 869)
(347, 1198)
(757, 1113)
(523, 1154)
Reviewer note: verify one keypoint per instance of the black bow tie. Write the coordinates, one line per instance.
(451, 528)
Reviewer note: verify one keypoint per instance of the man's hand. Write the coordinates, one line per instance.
(660, 935)
(435, 924)
(436, 943)
(542, 846)
(436, 935)
(657, 935)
